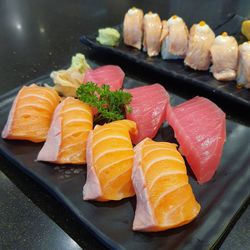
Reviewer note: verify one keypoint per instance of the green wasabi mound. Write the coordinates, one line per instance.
(108, 36)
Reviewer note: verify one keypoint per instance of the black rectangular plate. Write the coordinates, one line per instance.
(176, 68)
(221, 199)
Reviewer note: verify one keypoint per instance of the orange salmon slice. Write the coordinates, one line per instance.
(66, 142)
(31, 114)
(109, 162)
(164, 197)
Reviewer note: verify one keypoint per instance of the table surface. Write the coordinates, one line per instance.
(38, 37)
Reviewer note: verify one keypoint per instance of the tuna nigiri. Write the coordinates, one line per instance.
(111, 75)
(31, 114)
(243, 75)
(109, 162)
(175, 43)
(149, 105)
(201, 38)
(66, 141)
(132, 28)
(224, 52)
(164, 197)
(200, 128)
(152, 27)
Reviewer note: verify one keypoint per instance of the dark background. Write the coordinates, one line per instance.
(38, 37)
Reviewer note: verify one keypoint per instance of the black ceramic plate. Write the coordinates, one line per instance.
(176, 69)
(221, 199)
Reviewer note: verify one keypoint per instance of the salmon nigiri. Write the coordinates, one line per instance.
(224, 52)
(152, 27)
(31, 114)
(66, 141)
(132, 28)
(164, 197)
(175, 43)
(201, 38)
(109, 162)
(243, 75)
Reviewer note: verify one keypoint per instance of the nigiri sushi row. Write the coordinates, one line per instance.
(154, 171)
(198, 47)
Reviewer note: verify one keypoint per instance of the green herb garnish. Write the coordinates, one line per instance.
(111, 105)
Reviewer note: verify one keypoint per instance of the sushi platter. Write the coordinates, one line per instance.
(217, 195)
(175, 70)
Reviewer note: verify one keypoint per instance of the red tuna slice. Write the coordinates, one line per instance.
(149, 105)
(109, 74)
(200, 128)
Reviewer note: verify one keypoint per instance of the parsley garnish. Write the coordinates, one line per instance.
(111, 105)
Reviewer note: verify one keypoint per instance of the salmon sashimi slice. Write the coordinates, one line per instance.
(111, 75)
(164, 196)
(152, 27)
(175, 43)
(67, 137)
(201, 38)
(224, 52)
(132, 28)
(243, 74)
(200, 128)
(31, 114)
(109, 162)
(149, 106)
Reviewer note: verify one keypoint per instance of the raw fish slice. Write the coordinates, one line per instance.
(243, 75)
(224, 52)
(200, 128)
(111, 75)
(152, 27)
(109, 162)
(66, 141)
(149, 105)
(31, 114)
(132, 28)
(164, 197)
(201, 38)
(175, 44)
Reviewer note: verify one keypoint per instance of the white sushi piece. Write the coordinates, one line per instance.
(224, 52)
(175, 43)
(201, 38)
(132, 28)
(243, 74)
(152, 27)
